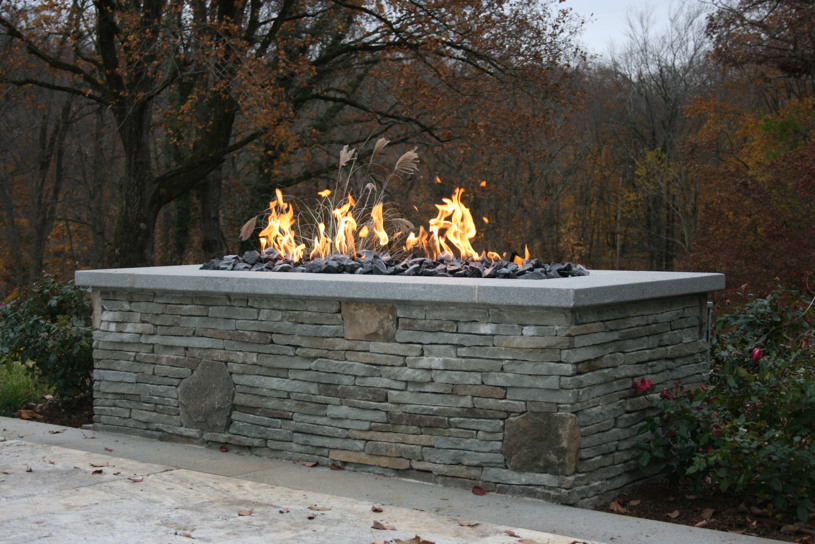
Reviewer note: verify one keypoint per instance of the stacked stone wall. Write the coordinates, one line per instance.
(536, 403)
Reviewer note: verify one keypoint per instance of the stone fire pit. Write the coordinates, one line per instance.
(523, 388)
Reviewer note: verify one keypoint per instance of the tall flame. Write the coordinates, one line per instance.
(452, 229)
(279, 233)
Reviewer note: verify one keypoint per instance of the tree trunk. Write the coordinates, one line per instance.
(96, 194)
(213, 243)
(132, 244)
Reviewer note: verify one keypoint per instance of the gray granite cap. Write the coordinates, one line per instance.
(601, 287)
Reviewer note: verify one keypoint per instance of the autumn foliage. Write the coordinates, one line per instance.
(142, 134)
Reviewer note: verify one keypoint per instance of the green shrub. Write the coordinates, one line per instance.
(50, 324)
(751, 431)
(18, 387)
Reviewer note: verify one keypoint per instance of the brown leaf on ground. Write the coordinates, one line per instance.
(739, 532)
(26, 414)
(108, 449)
(703, 523)
(335, 466)
(635, 502)
(222, 449)
(308, 463)
(374, 541)
(512, 533)
(50, 462)
(56, 432)
(98, 471)
(311, 516)
(479, 491)
(615, 506)
(375, 508)
(284, 510)
(188, 535)
(691, 497)
(415, 540)
(468, 523)
(245, 512)
(319, 508)
(673, 515)
(380, 527)
(137, 480)
(116, 473)
(789, 529)
(28, 469)
(96, 465)
(707, 513)
(758, 511)
(528, 541)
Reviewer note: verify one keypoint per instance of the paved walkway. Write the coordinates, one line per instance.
(156, 492)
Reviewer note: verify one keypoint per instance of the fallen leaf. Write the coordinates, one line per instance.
(381, 527)
(308, 463)
(137, 480)
(415, 540)
(528, 541)
(284, 511)
(379, 541)
(311, 516)
(319, 508)
(222, 449)
(88, 437)
(703, 523)
(479, 491)
(635, 502)
(188, 535)
(375, 509)
(50, 462)
(674, 514)
(512, 533)
(789, 529)
(26, 414)
(335, 467)
(245, 513)
(758, 511)
(578, 542)
(691, 497)
(98, 471)
(56, 432)
(707, 513)
(98, 466)
(116, 473)
(615, 506)
(739, 532)
(468, 523)
(28, 469)
(108, 449)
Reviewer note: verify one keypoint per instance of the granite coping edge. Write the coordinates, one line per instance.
(601, 287)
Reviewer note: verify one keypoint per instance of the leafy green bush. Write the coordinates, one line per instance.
(752, 430)
(18, 387)
(50, 324)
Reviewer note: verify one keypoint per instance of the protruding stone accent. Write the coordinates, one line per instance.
(542, 442)
(372, 322)
(205, 398)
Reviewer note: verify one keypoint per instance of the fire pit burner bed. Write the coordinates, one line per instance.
(370, 262)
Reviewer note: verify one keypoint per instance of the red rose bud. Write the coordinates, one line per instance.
(757, 355)
(666, 395)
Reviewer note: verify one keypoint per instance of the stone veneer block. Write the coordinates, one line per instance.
(205, 398)
(372, 322)
(524, 387)
(543, 443)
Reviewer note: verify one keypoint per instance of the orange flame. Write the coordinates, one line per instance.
(451, 230)
(379, 227)
(458, 225)
(279, 234)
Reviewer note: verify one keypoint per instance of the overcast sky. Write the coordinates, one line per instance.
(609, 20)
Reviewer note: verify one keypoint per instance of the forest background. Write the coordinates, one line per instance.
(139, 133)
